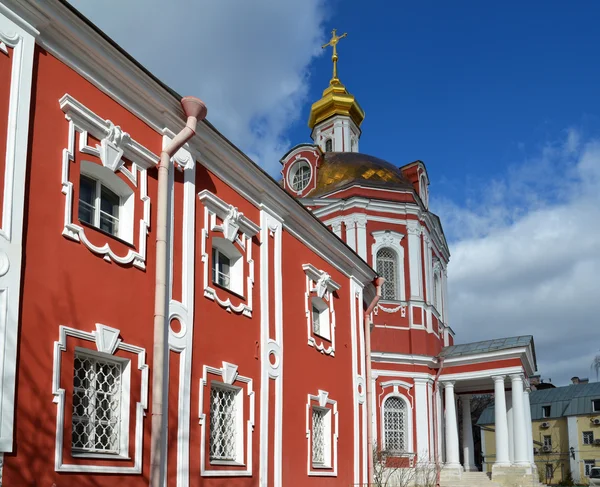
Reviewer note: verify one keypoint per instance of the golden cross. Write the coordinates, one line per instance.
(333, 43)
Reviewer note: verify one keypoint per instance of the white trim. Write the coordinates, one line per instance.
(237, 229)
(331, 443)
(389, 239)
(401, 358)
(422, 419)
(479, 374)
(17, 34)
(229, 373)
(83, 121)
(409, 417)
(522, 353)
(107, 341)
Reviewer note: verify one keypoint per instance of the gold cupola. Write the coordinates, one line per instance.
(336, 101)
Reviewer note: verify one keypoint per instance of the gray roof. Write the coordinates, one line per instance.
(487, 346)
(572, 400)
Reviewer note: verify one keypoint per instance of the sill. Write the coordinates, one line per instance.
(107, 234)
(231, 463)
(103, 456)
(321, 467)
(327, 339)
(229, 291)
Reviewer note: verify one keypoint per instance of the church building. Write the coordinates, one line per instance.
(170, 315)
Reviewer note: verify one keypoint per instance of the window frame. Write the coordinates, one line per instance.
(587, 434)
(545, 414)
(124, 406)
(323, 317)
(596, 405)
(322, 402)
(391, 240)
(388, 282)
(328, 145)
(547, 441)
(222, 246)
(238, 460)
(406, 433)
(96, 208)
(327, 450)
(295, 168)
(587, 467)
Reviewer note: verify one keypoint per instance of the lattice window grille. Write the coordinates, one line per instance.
(301, 178)
(318, 436)
(387, 268)
(588, 437)
(96, 419)
(394, 417)
(223, 416)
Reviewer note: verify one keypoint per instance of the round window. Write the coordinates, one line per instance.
(299, 176)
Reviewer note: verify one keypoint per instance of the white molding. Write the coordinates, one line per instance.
(237, 229)
(323, 400)
(105, 338)
(83, 121)
(522, 353)
(409, 416)
(402, 358)
(17, 34)
(393, 241)
(479, 374)
(319, 283)
(229, 373)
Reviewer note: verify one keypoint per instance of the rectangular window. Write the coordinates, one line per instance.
(320, 318)
(321, 437)
(97, 390)
(588, 437)
(588, 465)
(315, 320)
(596, 405)
(98, 205)
(549, 471)
(223, 423)
(221, 269)
(546, 411)
(548, 441)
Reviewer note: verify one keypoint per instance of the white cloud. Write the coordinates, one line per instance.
(526, 257)
(247, 60)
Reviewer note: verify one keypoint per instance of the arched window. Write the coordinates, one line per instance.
(394, 425)
(329, 145)
(387, 267)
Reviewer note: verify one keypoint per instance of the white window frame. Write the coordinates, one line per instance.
(408, 424)
(320, 289)
(242, 466)
(583, 437)
(239, 425)
(237, 233)
(587, 467)
(323, 403)
(125, 397)
(236, 264)
(296, 166)
(107, 342)
(391, 240)
(115, 145)
(394, 387)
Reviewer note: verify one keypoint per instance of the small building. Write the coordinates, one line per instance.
(565, 430)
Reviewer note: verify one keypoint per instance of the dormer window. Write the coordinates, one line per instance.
(98, 205)
(329, 145)
(423, 191)
(299, 176)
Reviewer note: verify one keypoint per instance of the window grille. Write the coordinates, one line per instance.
(301, 177)
(548, 441)
(394, 424)
(223, 434)
(588, 465)
(387, 268)
(98, 205)
(96, 416)
(221, 269)
(316, 320)
(588, 437)
(329, 145)
(318, 436)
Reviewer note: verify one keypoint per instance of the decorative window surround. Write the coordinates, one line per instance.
(230, 377)
(114, 145)
(322, 401)
(107, 342)
(396, 385)
(237, 229)
(320, 284)
(391, 240)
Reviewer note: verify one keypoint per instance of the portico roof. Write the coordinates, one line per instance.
(486, 346)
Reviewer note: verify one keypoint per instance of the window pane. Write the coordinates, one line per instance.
(109, 211)
(386, 268)
(394, 418)
(87, 199)
(316, 320)
(301, 177)
(221, 269)
(222, 423)
(318, 436)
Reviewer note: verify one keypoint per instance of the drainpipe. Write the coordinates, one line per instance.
(195, 110)
(435, 430)
(368, 392)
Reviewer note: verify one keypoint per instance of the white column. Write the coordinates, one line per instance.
(511, 427)
(440, 424)
(421, 420)
(521, 453)
(468, 446)
(502, 458)
(430, 420)
(452, 456)
(528, 426)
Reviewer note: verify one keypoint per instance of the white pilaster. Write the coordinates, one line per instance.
(430, 420)
(351, 232)
(468, 446)
(361, 236)
(521, 454)
(337, 228)
(421, 419)
(413, 229)
(528, 426)
(452, 455)
(573, 435)
(502, 458)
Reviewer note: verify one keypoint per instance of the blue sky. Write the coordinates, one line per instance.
(499, 99)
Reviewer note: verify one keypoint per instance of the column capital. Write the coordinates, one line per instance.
(498, 378)
(448, 384)
(516, 377)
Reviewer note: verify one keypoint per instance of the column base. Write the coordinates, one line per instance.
(452, 471)
(515, 475)
(471, 468)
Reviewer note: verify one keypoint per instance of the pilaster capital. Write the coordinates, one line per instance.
(361, 221)
(350, 221)
(413, 227)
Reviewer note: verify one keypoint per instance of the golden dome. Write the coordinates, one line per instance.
(340, 169)
(335, 101)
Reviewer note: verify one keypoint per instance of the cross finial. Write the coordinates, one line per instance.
(333, 43)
